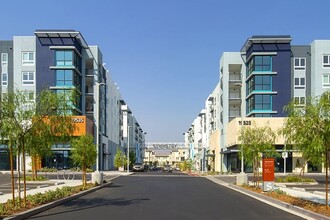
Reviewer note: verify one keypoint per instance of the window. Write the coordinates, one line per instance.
(28, 78)
(299, 63)
(67, 58)
(4, 79)
(64, 77)
(64, 58)
(27, 58)
(260, 63)
(4, 58)
(326, 80)
(299, 82)
(260, 82)
(29, 96)
(259, 102)
(326, 60)
(299, 100)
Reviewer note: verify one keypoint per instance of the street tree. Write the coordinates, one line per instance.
(25, 119)
(307, 128)
(120, 158)
(83, 154)
(256, 142)
(132, 157)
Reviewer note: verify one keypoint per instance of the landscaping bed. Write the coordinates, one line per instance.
(32, 201)
(282, 196)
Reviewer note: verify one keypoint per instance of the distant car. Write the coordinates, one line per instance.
(167, 168)
(139, 167)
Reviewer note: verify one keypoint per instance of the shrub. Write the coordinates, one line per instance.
(293, 178)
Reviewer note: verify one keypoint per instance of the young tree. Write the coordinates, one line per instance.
(132, 157)
(257, 141)
(83, 153)
(120, 159)
(307, 128)
(24, 120)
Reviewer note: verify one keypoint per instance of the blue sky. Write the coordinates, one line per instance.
(164, 55)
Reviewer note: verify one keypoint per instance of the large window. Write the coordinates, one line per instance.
(4, 79)
(260, 82)
(259, 102)
(64, 58)
(28, 78)
(27, 58)
(326, 80)
(67, 58)
(326, 60)
(260, 63)
(262, 102)
(64, 77)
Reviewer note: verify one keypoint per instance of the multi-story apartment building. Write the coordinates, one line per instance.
(61, 60)
(255, 86)
(212, 106)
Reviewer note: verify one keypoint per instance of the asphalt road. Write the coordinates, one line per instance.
(150, 196)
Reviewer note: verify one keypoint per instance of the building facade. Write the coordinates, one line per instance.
(255, 85)
(62, 61)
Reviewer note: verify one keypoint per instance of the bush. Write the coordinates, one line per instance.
(39, 199)
(293, 178)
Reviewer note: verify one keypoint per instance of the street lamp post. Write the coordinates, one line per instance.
(242, 177)
(128, 129)
(97, 176)
(98, 125)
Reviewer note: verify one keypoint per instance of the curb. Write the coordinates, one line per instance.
(42, 208)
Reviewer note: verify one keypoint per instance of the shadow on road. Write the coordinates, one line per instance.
(83, 204)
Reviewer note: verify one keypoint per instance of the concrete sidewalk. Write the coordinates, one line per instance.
(53, 184)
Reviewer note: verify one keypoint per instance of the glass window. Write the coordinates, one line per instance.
(260, 63)
(64, 58)
(299, 100)
(64, 78)
(4, 79)
(299, 63)
(326, 60)
(299, 83)
(28, 78)
(29, 96)
(326, 80)
(27, 58)
(4, 58)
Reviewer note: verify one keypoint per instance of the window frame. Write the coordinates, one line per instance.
(28, 82)
(326, 84)
(326, 64)
(299, 66)
(28, 62)
(4, 61)
(4, 82)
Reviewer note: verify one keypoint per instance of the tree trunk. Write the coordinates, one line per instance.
(24, 172)
(326, 179)
(84, 175)
(19, 177)
(12, 173)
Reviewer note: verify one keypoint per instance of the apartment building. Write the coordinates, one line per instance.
(161, 154)
(255, 86)
(61, 60)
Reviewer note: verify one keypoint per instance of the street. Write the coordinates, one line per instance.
(155, 195)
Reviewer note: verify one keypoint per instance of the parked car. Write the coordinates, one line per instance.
(139, 167)
(167, 168)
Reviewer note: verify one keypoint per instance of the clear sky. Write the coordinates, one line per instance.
(164, 55)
